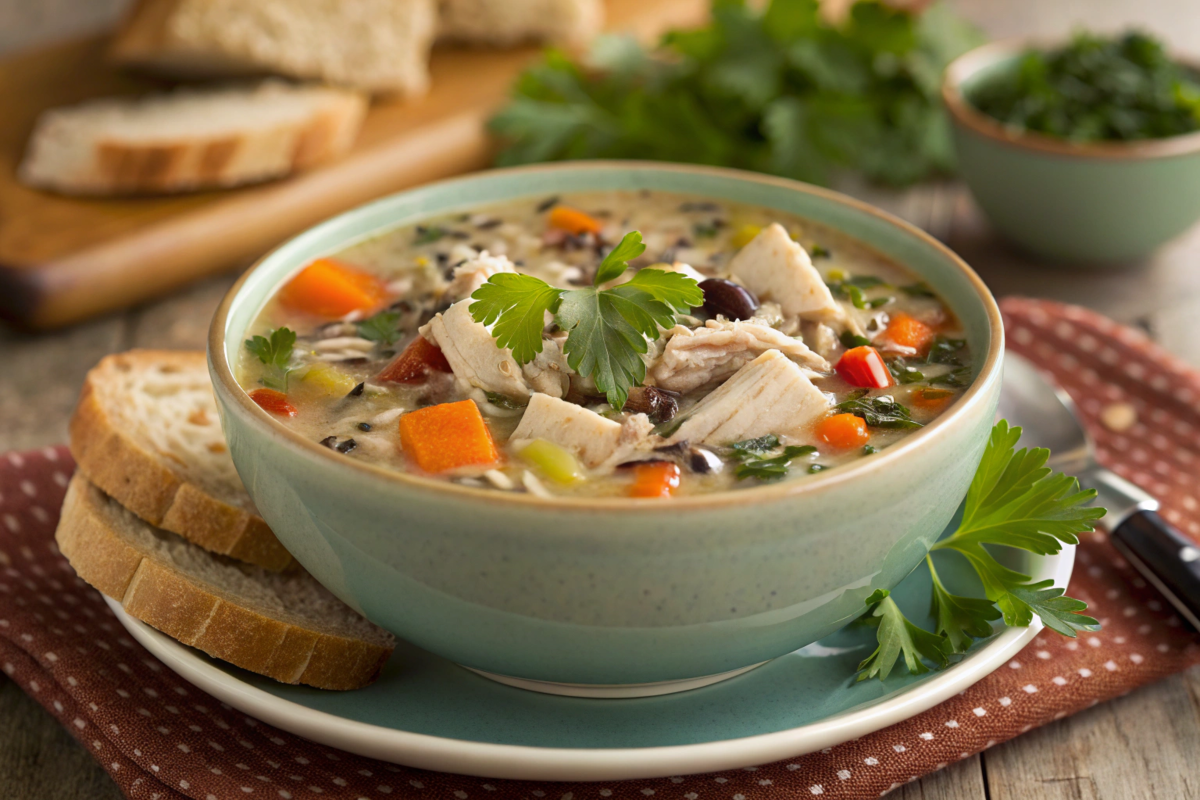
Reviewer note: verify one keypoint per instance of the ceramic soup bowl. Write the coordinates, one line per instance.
(611, 591)
(1101, 205)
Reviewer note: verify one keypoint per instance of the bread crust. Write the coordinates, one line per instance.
(220, 160)
(196, 613)
(145, 483)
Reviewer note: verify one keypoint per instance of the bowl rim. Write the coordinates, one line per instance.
(883, 461)
(963, 112)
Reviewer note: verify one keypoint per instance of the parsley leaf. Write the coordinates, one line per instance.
(898, 637)
(428, 235)
(902, 372)
(959, 619)
(617, 260)
(851, 340)
(957, 378)
(946, 351)
(274, 349)
(748, 448)
(1016, 500)
(771, 469)
(878, 412)
(381, 328)
(515, 305)
(607, 329)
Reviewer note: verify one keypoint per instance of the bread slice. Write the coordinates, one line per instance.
(285, 626)
(377, 45)
(146, 432)
(191, 139)
(503, 23)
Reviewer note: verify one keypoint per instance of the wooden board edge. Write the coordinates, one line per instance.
(96, 280)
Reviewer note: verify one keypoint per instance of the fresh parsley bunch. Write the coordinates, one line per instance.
(607, 329)
(781, 91)
(1014, 500)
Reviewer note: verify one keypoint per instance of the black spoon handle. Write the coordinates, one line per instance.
(1167, 559)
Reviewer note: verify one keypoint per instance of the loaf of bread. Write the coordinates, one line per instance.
(190, 139)
(376, 45)
(504, 23)
(146, 432)
(282, 625)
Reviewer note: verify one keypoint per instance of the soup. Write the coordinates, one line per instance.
(514, 348)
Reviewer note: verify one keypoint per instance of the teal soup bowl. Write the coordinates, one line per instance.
(611, 591)
(1096, 205)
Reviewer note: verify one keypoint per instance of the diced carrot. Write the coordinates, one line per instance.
(843, 431)
(655, 479)
(574, 221)
(907, 331)
(274, 402)
(416, 362)
(931, 399)
(863, 366)
(447, 436)
(328, 288)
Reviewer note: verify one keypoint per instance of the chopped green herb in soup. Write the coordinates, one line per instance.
(607, 344)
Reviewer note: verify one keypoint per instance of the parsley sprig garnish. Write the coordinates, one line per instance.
(1014, 500)
(607, 329)
(275, 351)
(381, 327)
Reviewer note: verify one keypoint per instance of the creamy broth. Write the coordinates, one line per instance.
(359, 364)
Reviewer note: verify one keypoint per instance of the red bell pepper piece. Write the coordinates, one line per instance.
(416, 362)
(863, 366)
(273, 402)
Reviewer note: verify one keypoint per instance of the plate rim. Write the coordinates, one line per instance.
(526, 762)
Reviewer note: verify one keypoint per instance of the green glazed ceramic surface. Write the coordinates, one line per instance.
(1100, 205)
(611, 591)
(426, 712)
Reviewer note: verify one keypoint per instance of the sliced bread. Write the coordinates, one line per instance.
(377, 45)
(504, 23)
(191, 139)
(146, 432)
(285, 626)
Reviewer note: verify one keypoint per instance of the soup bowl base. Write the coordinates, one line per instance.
(615, 691)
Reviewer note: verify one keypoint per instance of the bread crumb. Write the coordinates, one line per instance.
(1118, 417)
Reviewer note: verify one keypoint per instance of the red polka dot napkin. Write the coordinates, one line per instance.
(159, 737)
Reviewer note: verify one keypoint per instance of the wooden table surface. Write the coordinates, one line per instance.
(1139, 746)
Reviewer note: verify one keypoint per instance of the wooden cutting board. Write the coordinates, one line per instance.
(65, 259)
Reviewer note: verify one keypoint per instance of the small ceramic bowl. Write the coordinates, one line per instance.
(611, 591)
(1104, 204)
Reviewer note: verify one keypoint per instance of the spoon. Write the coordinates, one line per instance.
(1163, 555)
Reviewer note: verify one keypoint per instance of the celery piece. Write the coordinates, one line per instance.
(556, 463)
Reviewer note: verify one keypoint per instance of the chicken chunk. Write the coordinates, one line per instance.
(695, 358)
(778, 269)
(548, 373)
(471, 275)
(591, 437)
(771, 394)
(477, 362)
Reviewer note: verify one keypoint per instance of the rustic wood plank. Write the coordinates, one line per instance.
(39, 759)
(1138, 747)
(961, 781)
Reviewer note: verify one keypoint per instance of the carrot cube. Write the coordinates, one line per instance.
(843, 431)
(574, 221)
(908, 331)
(447, 436)
(328, 288)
